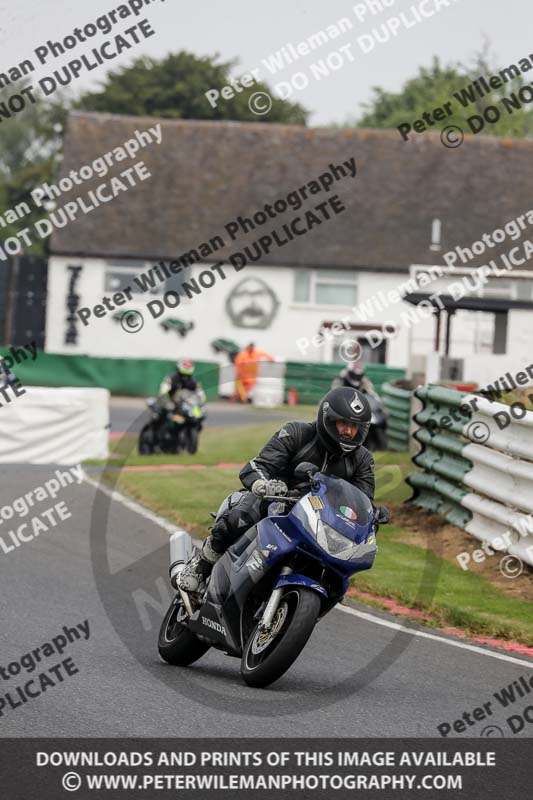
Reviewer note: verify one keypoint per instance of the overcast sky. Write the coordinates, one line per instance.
(252, 31)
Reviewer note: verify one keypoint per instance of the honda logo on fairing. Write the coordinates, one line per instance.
(356, 405)
(215, 625)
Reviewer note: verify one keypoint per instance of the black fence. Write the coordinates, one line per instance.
(23, 282)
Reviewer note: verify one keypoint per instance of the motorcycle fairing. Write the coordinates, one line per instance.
(264, 548)
(233, 577)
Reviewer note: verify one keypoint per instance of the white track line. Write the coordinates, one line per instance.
(168, 526)
(133, 506)
(423, 635)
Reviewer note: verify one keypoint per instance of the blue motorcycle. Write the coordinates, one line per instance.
(267, 592)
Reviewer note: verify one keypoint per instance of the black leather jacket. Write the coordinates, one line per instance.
(297, 442)
(178, 382)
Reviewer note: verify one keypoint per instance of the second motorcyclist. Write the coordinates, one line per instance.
(181, 380)
(355, 377)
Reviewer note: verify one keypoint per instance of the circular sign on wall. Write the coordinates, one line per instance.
(252, 304)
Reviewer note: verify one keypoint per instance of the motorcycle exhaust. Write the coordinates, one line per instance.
(181, 548)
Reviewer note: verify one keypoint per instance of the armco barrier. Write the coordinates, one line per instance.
(476, 474)
(312, 380)
(398, 404)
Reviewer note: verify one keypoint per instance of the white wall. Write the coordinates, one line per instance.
(488, 368)
(472, 340)
(471, 332)
(105, 337)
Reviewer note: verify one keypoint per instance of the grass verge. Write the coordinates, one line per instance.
(420, 579)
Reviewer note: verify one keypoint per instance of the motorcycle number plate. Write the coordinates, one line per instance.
(178, 418)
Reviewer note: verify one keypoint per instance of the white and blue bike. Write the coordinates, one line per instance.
(267, 592)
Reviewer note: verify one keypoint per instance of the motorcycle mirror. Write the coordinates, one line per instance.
(301, 473)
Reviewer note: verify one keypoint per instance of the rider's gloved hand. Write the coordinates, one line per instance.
(262, 488)
(381, 517)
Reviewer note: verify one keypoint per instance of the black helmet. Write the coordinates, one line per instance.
(343, 403)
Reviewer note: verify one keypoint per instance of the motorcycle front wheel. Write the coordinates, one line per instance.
(268, 656)
(176, 644)
(192, 440)
(146, 440)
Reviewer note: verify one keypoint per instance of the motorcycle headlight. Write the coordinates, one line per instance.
(335, 543)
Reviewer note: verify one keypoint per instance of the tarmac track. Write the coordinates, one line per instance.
(129, 414)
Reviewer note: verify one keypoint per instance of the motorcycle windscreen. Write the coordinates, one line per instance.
(347, 509)
(339, 517)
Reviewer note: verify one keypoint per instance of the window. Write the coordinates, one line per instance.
(325, 287)
(302, 286)
(524, 290)
(370, 354)
(496, 287)
(120, 276)
(509, 289)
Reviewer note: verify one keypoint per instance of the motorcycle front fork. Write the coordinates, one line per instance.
(271, 607)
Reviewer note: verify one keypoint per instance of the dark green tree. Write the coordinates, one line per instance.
(30, 144)
(175, 87)
(435, 86)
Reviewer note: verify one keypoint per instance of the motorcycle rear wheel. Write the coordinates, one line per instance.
(267, 658)
(176, 644)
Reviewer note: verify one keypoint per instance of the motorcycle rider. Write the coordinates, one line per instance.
(183, 378)
(172, 385)
(355, 377)
(333, 443)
